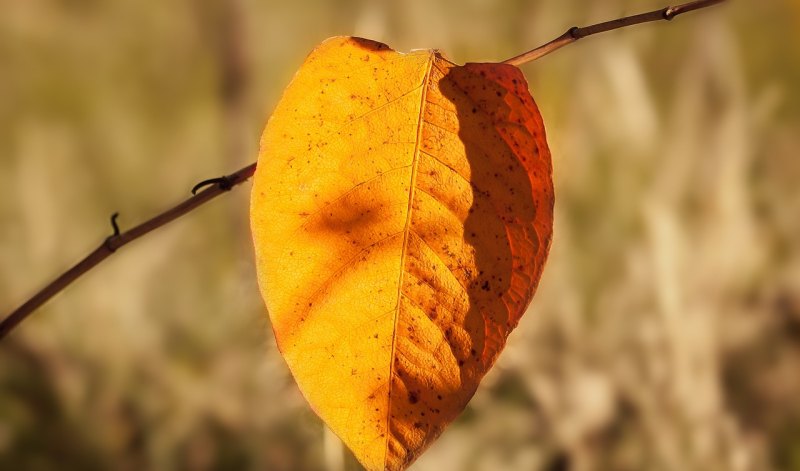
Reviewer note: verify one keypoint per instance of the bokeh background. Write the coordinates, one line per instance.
(666, 331)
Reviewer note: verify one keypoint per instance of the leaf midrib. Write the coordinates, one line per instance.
(404, 249)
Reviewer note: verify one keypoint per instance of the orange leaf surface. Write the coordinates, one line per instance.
(402, 213)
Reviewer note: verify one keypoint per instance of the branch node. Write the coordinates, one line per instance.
(669, 13)
(574, 33)
(223, 183)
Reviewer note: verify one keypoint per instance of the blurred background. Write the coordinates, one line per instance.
(666, 331)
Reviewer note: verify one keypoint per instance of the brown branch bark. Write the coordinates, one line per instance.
(221, 185)
(117, 240)
(575, 33)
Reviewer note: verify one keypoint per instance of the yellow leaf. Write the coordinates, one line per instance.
(401, 213)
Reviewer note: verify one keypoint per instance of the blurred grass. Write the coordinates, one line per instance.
(666, 331)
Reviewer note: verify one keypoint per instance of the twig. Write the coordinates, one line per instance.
(223, 184)
(575, 33)
(117, 240)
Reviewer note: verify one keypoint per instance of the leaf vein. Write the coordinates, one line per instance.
(326, 283)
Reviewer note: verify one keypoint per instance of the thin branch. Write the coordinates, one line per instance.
(575, 33)
(223, 184)
(117, 240)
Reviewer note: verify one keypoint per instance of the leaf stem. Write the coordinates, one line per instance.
(117, 240)
(575, 33)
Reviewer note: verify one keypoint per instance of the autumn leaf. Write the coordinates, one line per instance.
(402, 213)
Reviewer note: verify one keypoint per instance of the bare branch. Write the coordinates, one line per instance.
(223, 184)
(117, 240)
(575, 33)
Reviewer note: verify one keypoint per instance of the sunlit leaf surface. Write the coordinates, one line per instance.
(402, 215)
